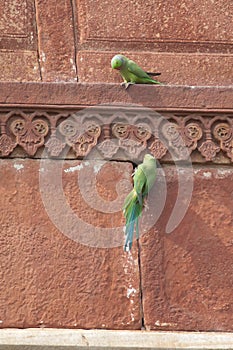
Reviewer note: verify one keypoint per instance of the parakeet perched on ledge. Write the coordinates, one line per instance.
(131, 72)
(144, 178)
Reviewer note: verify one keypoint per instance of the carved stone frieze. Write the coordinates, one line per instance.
(131, 132)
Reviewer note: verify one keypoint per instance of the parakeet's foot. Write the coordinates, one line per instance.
(145, 205)
(127, 84)
(128, 246)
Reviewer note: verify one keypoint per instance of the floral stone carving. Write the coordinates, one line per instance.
(165, 134)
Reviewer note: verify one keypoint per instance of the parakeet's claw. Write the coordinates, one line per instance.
(145, 204)
(128, 247)
(126, 84)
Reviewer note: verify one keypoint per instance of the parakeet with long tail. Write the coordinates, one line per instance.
(144, 178)
(131, 72)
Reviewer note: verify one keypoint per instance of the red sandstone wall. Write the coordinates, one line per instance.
(49, 279)
(181, 281)
(190, 43)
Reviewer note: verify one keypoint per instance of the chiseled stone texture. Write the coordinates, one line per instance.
(20, 66)
(56, 42)
(49, 279)
(187, 275)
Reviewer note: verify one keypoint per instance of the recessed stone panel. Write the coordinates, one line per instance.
(176, 68)
(56, 42)
(17, 25)
(190, 43)
(18, 41)
(155, 22)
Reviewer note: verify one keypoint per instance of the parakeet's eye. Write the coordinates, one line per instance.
(118, 63)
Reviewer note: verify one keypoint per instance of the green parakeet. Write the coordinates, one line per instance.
(144, 178)
(131, 72)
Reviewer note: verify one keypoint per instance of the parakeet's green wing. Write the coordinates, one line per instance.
(139, 179)
(149, 169)
(135, 69)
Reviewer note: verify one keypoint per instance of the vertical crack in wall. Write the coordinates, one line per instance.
(38, 40)
(140, 286)
(75, 26)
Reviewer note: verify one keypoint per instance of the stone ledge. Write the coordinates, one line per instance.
(52, 339)
(171, 97)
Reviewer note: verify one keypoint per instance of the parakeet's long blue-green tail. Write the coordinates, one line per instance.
(132, 209)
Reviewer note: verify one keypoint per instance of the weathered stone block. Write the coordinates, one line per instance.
(56, 42)
(50, 279)
(187, 275)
